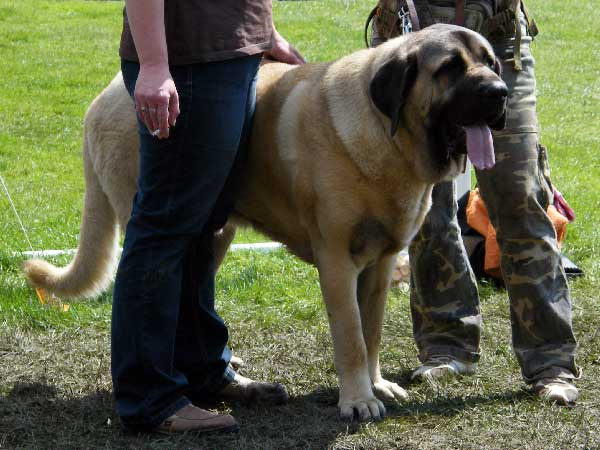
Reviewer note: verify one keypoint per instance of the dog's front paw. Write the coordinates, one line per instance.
(388, 391)
(363, 408)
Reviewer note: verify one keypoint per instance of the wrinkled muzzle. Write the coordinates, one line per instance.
(462, 121)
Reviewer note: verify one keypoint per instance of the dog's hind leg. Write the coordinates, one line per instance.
(223, 239)
(372, 289)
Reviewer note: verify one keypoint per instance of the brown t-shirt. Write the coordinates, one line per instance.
(209, 30)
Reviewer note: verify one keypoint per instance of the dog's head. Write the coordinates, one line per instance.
(439, 88)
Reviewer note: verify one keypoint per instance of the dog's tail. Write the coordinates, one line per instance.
(90, 271)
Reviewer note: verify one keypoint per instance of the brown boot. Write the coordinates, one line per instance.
(193, 419)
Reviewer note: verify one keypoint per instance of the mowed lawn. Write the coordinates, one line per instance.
(55, 390)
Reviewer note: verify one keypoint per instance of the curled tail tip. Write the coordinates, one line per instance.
(37, 271)
(59, 281)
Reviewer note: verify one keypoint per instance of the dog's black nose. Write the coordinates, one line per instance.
(493, 89)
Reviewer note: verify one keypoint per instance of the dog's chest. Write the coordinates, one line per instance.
(388, 225)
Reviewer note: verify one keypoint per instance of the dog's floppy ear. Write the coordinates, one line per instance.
(390, 87)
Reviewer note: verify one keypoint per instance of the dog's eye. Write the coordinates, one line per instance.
(452, 65)
(488, 59)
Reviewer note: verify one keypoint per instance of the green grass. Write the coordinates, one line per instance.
(54, 366)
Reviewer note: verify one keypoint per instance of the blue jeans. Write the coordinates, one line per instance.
(169, 345)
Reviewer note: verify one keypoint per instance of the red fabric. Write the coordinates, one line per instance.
(562, 206)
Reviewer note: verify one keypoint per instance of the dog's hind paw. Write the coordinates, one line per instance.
(388, 391)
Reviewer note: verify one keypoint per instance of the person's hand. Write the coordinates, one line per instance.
(156, 99)
(283, 51)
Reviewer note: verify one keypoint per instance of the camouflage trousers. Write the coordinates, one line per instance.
(444, 298)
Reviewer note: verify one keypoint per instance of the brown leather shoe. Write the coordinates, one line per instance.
(190, 418)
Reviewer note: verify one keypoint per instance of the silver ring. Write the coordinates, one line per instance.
(143, 109)
(155, 132)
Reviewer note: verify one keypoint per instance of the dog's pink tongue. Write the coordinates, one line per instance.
(480, 147)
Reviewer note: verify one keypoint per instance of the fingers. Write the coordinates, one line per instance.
(299, 57)
(153, 112)
(144, 114)
(158, 118)
(156, 100)
(285, 52)
(291, 56)
(173, 109)
(162, 117)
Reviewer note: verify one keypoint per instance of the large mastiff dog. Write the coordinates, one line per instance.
(342, 163)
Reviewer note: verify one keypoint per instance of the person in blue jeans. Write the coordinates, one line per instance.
(191, 68)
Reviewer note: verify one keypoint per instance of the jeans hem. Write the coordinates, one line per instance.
(554, 372)
(157, 419)
(225, 380)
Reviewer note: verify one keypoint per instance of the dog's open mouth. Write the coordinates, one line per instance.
(473, 140)
(454, 139)
(461, 128)
(480, 147)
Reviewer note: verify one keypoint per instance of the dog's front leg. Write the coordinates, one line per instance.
(338, 275)
(373, 287)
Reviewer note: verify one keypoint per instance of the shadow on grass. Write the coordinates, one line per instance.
(35, 416)
(449, 406)
(442, 405)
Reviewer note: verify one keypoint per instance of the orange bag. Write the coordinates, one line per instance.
(477, 218)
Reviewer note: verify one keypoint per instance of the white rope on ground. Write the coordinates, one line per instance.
(262, 247)
(15, 211)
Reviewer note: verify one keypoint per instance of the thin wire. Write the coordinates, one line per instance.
(15, 211)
